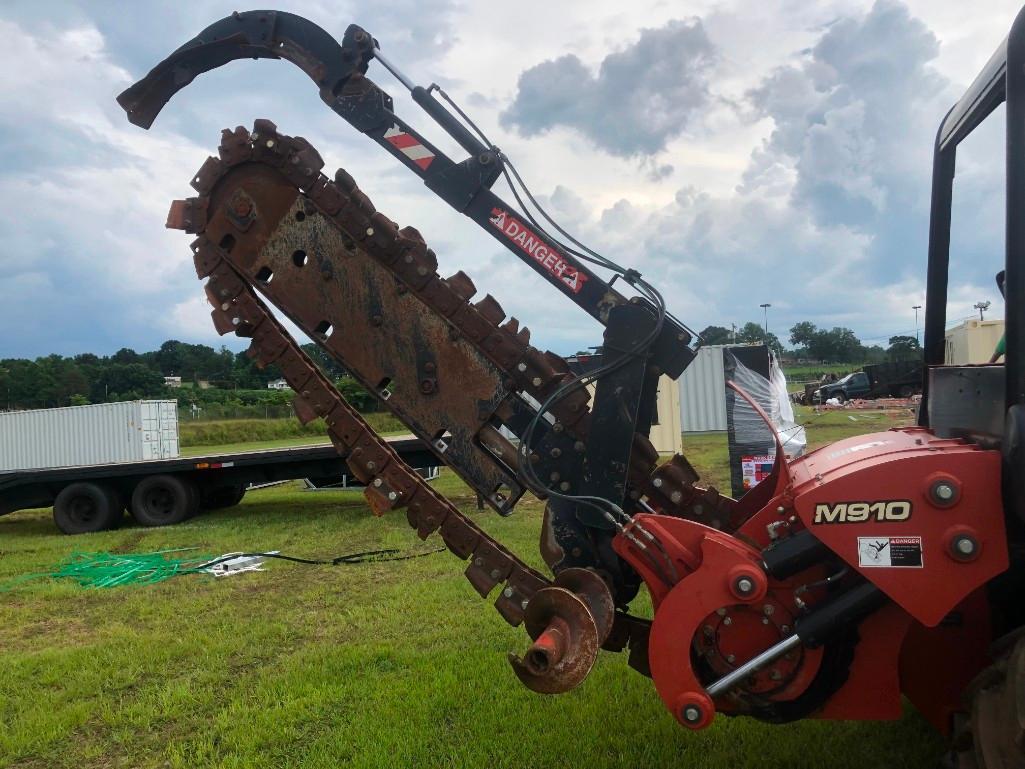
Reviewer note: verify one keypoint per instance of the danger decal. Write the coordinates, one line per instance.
(890, 552)
(532, 245)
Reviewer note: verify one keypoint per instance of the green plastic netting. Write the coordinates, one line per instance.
(101, 570)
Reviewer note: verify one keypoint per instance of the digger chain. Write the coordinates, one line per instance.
(390, 483)
(669, 487)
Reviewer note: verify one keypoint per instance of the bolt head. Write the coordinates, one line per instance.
(744, 585)
(965, 546)
(692, 714)
(943, 491)
(675, 497)
(657, 483)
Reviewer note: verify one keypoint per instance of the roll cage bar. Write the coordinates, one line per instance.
(1001, 80)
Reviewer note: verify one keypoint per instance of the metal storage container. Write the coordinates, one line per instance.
(703, 392)
(105, 433)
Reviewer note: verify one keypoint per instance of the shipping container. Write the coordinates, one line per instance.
(703, 392)
(104, 433)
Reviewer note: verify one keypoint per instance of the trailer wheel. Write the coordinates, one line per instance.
(86, 507)
(220, 497)
(163, 500)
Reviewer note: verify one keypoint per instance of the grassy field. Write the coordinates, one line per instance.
(222, 432)
(373, 665)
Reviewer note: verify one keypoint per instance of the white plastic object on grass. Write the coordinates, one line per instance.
(237, 563)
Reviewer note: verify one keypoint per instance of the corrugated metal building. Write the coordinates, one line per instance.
(703, 392)
(972, 341)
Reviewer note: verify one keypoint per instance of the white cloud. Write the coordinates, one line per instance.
(806, 185)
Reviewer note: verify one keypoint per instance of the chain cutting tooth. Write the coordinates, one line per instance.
(463, 285)
(490, 310)
(235, 146)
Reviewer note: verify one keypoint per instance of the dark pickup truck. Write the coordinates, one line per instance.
(877, 380)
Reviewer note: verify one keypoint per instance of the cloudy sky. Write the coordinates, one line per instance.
(735, 152)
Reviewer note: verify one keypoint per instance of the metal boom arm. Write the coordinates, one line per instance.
(339, 72)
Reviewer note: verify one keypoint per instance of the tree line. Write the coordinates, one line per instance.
(55, 380)
(835, 345)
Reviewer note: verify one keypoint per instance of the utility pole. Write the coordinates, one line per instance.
(765, 326)
(916, 308)
(734, 332)
(981, 307)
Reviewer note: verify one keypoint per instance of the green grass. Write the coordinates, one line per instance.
(815, 370)
(225, 432)
(374, 665)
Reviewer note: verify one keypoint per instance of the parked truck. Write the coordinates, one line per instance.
(901, 379)
(90, 463)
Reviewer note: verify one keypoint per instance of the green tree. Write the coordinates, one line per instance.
(802, 334)
(903, 348)
(716, 335)
(846, 345)
(754, 333)
(356, 394)
(127, 381)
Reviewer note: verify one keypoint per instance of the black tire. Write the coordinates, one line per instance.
(841, 397)
(992, 733)
(163, 500)
(221, 497)
(81, 508)
(906, 391)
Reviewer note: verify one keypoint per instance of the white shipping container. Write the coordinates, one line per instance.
(703, 392)
(105, 433)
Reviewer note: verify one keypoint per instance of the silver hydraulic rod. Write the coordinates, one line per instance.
(409, 85)
(730, 680)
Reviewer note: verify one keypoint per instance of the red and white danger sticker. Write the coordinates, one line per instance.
(531, 244)
(890, 552)
(409, 146)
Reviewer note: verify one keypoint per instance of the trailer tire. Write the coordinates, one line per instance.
(220, 497)
(163, 500)
(81, 508)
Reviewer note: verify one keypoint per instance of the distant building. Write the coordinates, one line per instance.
(666, 434)
(971, 342)
(172, 381)
(277, 384)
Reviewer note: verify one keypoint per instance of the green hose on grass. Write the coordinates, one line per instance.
(102, 570)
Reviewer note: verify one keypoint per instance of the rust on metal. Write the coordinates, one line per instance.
(589, 587)
(369, 293)
(565, 642)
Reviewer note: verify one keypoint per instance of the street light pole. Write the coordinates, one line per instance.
(765, 326)
(981, 307)
(916, 308)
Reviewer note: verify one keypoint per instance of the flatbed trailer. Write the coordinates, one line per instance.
(162, 492)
